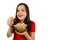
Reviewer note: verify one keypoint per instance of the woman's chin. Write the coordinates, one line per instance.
(20, 19)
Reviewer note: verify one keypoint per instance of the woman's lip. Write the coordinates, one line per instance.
(20, 15)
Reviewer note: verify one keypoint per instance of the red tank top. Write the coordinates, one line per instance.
(21, 37)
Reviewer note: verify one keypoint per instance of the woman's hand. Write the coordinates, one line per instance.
(10, 21)
(24, 33)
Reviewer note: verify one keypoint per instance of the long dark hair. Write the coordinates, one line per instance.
(27, 19)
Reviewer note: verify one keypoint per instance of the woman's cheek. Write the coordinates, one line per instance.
(21, 17)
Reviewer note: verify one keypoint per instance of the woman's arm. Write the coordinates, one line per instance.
(32, 37)
(28, 37)
(10, 23)
(10, 31)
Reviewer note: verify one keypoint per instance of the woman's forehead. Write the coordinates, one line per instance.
(21, 7)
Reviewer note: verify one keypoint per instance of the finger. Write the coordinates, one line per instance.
(26, 29)
(11, 19)
(18, 32)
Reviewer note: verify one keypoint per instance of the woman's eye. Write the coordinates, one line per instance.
(22, 10)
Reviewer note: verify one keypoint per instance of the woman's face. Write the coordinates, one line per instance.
(21, 12)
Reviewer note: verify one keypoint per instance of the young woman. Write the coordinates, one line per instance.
(22, 16)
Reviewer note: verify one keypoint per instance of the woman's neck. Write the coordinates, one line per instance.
(21, 21)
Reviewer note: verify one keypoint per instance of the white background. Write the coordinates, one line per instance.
(45, 13)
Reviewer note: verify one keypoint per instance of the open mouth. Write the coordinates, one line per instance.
(20, 15)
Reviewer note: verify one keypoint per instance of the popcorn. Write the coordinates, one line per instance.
(20, 27)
